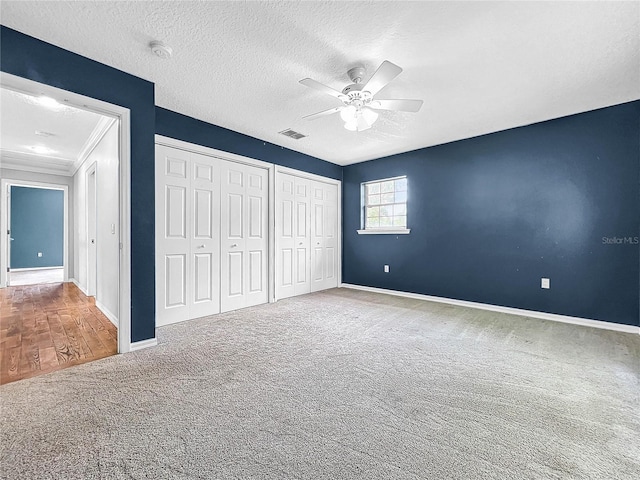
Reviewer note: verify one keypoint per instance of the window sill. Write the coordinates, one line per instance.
(400, 231)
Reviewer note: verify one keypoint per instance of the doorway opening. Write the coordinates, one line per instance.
(37, 227)
(95, 182)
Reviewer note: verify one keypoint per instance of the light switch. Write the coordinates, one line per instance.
(386, 269)
(545, 283)
(39, 254)
(113, 228)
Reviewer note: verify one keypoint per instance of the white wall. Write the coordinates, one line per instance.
(18, 175)
(105, 157)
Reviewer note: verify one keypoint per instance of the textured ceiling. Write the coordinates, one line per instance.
(67, 132)
(480, 67)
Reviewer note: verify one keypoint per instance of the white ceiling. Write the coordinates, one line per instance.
(67, 132)
(480, 67)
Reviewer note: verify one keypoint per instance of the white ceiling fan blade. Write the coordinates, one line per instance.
(313, 116)
(398, 105)
(309, 82)
(385, 73)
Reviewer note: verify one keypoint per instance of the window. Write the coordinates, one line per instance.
(384, 205)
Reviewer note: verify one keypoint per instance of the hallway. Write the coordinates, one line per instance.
(49, 327)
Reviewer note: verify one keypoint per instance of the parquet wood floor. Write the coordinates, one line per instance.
(49, 327)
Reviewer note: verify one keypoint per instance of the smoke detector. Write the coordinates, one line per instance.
(161, 49)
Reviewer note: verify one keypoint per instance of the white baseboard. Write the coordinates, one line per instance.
(80, 287)
(151, 342)
(29, 269)
(585, 322)
(107, 313)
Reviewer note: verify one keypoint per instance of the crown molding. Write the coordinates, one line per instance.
(101, 128)
(31, 162)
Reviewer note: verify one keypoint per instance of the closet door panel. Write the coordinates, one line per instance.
(236, 269)
(232, 236)
(257, 226)
(244, 236)
(172, 243)
(205, 240)
(303, 236)
(317, 271)
(203, 278)
(256, 272)
(324, 239)
(285, 240)
(286, 268)
(176, 281)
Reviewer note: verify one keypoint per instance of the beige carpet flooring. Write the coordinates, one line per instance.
(339, 384)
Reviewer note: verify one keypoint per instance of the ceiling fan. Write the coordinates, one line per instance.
(358, 99)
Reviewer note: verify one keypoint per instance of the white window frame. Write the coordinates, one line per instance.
(363, 211)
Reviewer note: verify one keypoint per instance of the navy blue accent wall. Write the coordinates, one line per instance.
(42, 62)
(491, 215)
(188, 129)
(37, 225)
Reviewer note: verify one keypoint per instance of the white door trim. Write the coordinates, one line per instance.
(303, 174)
(122, 114)
(4, 226)
(92, 267)
(211, 152)
(270, 167)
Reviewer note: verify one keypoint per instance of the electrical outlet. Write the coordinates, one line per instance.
(386, 269)
(39, 254)
(545, 283)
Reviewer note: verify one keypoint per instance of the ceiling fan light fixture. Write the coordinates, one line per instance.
(351, 125)
(41, 150)
(48, 102)
(369, 115)
(348, 113)
(362, 123)
(358, 119)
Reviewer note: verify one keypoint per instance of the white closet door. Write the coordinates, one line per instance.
(324, 236)
(285, 241)
(257, 236)
(302, 282)
(293, 231)
(173, 211)
(244, 236)
(204, 262)
(187, 236)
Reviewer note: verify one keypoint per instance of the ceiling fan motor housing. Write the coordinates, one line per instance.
(356, 74)
(356, 96)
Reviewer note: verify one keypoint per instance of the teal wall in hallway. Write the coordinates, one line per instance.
(37, 223)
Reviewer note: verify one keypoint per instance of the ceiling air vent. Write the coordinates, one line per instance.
(292, 133)
(42, 133)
